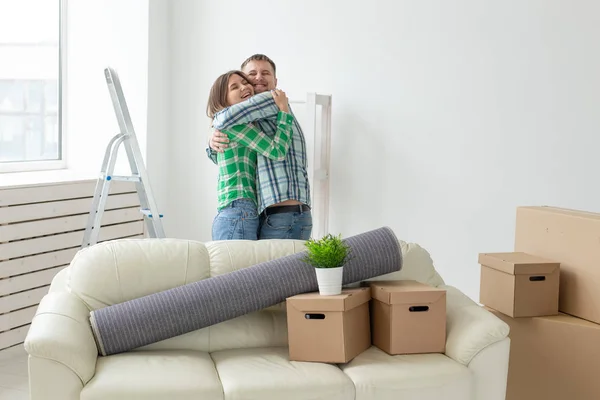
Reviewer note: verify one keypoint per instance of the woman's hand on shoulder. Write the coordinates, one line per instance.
(281, 100)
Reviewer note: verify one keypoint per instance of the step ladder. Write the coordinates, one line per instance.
(139, 175)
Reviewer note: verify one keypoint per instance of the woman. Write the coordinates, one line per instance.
(237, 216)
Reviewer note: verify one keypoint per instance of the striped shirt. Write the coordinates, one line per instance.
(237, 164)
(278, 180)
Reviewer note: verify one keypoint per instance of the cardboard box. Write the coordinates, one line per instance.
(519, 284)
(331, 329)
(408, 317)
(571, 238)
(553, 358)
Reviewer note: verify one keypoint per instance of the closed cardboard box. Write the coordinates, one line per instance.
(519, 284)
(408, 317)
(553, 358)
(571, 238)
(331, 329)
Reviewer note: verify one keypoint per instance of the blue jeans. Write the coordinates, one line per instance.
(286, 225)
(237, 220)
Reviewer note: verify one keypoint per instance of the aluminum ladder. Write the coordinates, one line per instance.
(128, 139)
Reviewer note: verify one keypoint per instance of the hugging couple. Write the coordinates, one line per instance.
(257, 143)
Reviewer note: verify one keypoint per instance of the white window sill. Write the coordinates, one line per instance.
(35, 178)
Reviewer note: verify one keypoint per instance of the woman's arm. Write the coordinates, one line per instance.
(274, 148)
(260, 106)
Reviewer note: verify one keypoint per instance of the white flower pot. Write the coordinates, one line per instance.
(330, 281)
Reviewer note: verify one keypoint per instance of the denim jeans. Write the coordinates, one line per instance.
(290, 225)
(237, 220)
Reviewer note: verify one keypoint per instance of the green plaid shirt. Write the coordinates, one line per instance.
(237, 164)
(280, 180)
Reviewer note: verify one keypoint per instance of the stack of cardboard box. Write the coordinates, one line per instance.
(548, 291)
(399, 317)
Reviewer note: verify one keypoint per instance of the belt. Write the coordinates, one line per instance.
(286, 209)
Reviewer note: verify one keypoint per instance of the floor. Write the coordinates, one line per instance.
(13, 374)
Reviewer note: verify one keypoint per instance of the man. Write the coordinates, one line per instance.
(283, 186)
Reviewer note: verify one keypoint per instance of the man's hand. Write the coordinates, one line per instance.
(218, 141)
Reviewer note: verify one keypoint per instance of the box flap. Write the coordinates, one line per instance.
(518, 263)
(349, 299)
(405, 292)
(563, 211)
(563, 318)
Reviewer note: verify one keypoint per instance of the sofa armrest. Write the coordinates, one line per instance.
(469, 327)
(60, 331)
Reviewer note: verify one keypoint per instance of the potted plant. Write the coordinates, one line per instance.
(328, 255)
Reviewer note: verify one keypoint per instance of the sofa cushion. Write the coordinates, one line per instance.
(379, 376)
(258, 329)
(267, 374)
(416, 265)
(59, 282)
(232, 255)
(173, 375)
(116, 271)
(469, 327)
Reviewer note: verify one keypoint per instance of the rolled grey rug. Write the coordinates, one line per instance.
(159, 316)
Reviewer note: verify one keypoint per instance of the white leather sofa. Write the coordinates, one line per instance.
(245, 358)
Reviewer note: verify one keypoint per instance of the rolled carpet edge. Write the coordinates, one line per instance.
(97, 338)
(173, 312)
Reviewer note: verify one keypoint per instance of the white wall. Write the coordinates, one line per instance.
(159, 131)
(133, 38)
(447, 115)
(100, 34)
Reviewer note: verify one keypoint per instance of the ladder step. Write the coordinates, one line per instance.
(148, 213)
(133, 178)
(138, 172)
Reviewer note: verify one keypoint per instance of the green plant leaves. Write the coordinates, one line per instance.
(328, 252)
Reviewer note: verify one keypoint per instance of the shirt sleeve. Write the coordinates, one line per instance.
(212, 155)
(274, 148)
(260, 106)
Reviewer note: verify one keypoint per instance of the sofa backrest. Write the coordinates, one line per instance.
(417, 265)
(114, 272)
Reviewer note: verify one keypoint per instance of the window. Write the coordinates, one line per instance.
(31, 37)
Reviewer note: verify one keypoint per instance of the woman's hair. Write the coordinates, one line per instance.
(217, 100)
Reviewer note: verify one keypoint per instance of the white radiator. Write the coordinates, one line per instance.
(41, 229)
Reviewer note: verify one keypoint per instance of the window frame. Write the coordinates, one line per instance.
(61, 162)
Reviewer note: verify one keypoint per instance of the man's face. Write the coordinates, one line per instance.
(261, 75)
